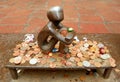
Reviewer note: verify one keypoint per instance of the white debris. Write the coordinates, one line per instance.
(76, 38)
(100, 45)
(85, 39)
(29, 37)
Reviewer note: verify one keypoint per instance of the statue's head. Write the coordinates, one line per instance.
(55, 14)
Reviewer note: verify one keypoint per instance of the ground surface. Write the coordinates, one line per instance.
(29, 16)
(85, 16)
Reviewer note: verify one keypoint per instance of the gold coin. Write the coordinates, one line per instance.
(77, 59)
(52, 65)
(80, 64)
(82, 59)
(16, 53)
(97, 64)
(11, 60)
(50, 54)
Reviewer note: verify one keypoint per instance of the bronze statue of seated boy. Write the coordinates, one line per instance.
(54, 31)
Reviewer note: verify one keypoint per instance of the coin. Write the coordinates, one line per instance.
(92, 62)
(95, 42)
(37, 49)
(92, 57)
(30, 52)
(63, 62)
(105, 56)
(77, 59)
(86, 45)
(52, 65)
(97, 64)
(18, 46)
(23, 61)
(92, 49)
(17, 60)
(11, 60)
(100, 45)
(73, 53)
(31, 44)
(52, 59)
(82, 59)
(50, 54)
(33, 61)
(16, 53)
(80, 64)
(102, 51)
(83, 48)
(86, 63)
(112, 62)
(79, 54)
(61, 55)
(43, 61)
(72, 59)
(63, 32)
(22, 52)
(67, 55)
(68, 63)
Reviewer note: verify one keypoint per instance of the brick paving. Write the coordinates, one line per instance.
(85, 16)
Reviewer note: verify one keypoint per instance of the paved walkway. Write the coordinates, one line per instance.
(85, 16)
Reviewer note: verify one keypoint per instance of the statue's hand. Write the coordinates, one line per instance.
(67, 39)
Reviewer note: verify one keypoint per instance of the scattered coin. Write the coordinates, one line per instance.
(72, 59)
(17, 60)
(79, 55)
(52, 65)
(43, 61)
(67, 55)
(80, 64)
(11, 60)
(83, 48)
(52, 59)
(50, 54)
(105, 56)
(16, 53)
(86, 63)
(68, 63)
(33, 61)
(86, 45)
(31, 44)
(102, 51)
(97, 64)
(100, 45)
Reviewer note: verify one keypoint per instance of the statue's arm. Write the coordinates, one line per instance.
(57, 35)
(70, 35)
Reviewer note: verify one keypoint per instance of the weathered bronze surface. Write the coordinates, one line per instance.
(52, 31)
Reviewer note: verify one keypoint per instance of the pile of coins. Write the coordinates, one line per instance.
(81, 53)
(91, 53)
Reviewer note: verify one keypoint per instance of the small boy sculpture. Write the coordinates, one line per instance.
(54, 31)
